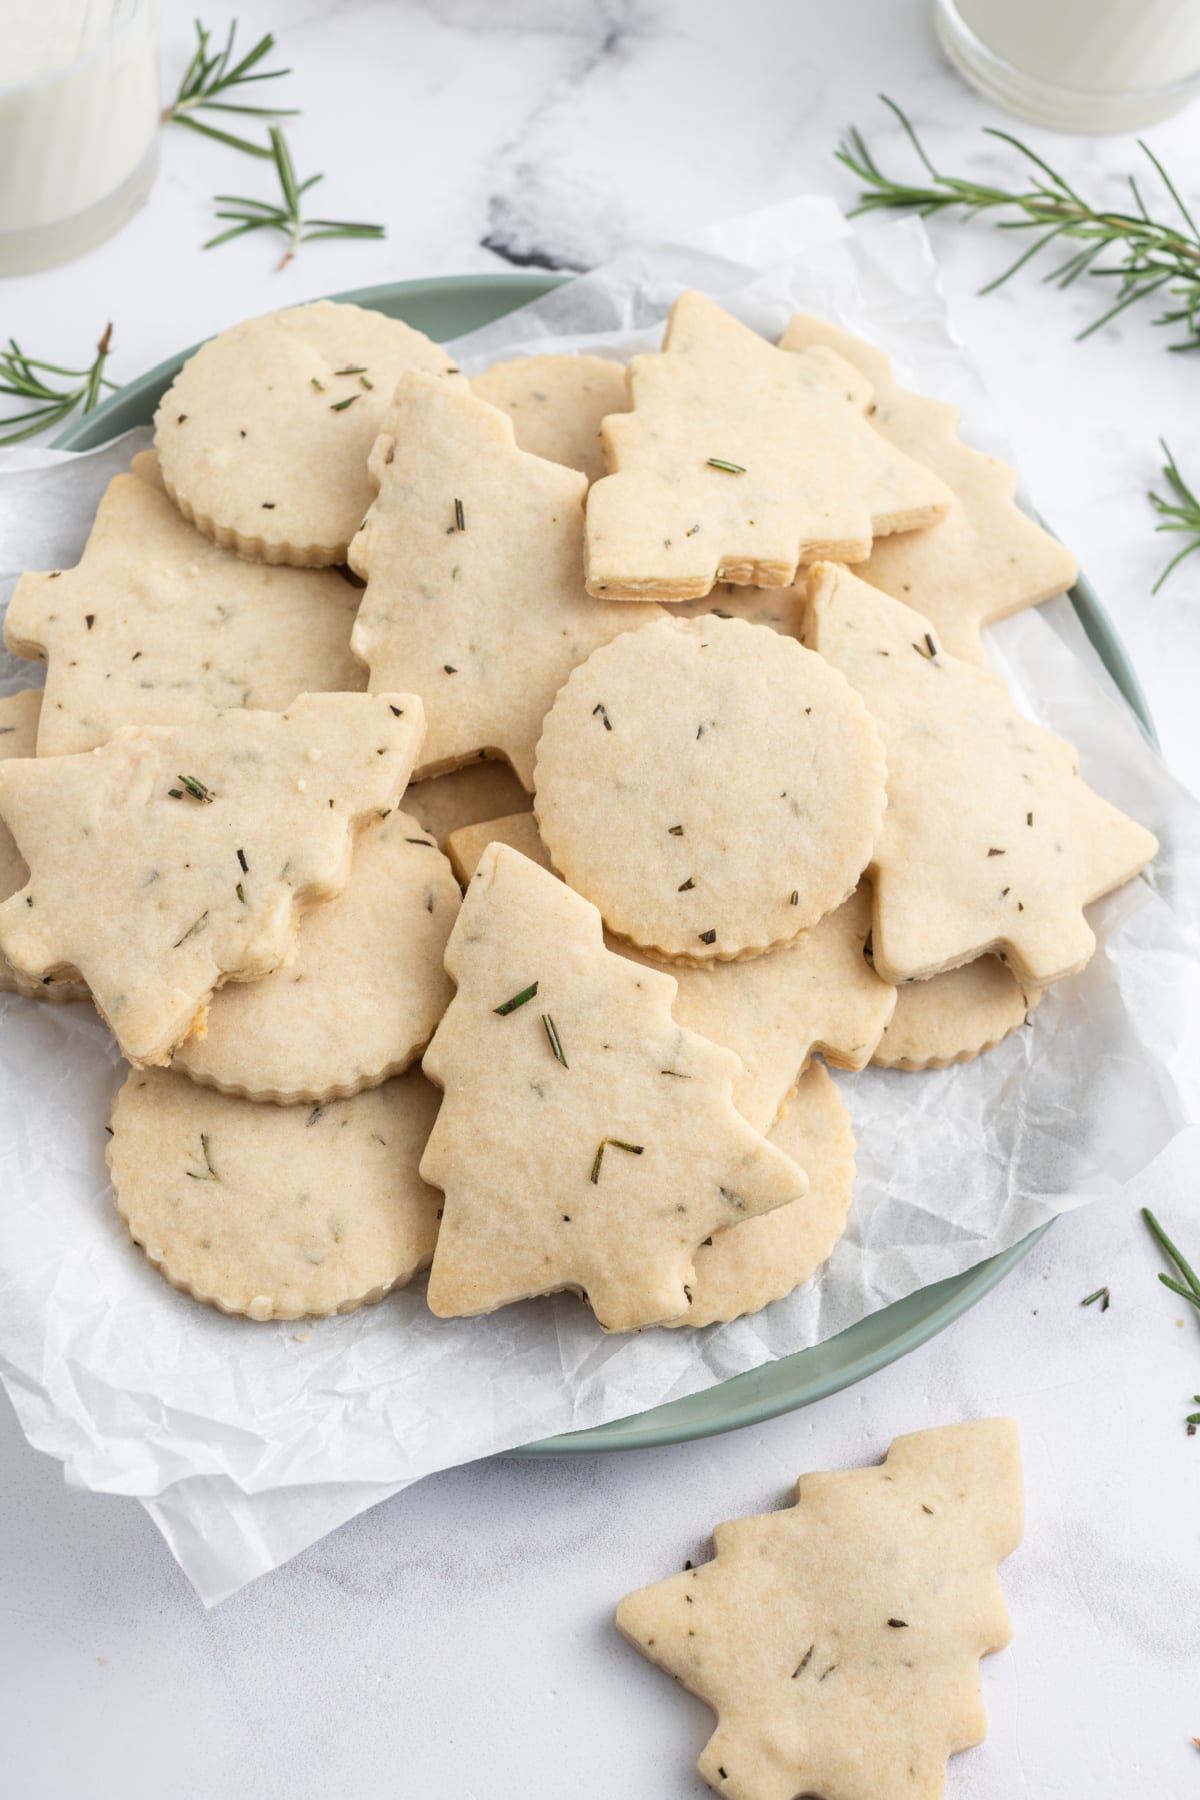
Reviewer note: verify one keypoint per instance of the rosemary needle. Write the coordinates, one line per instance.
(285, 215)
(1189, 1288)
(209, 78)
(25, 378)
(1179, 514)
(1147, 254)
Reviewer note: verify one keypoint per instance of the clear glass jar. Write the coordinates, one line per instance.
(79, 124)
(1077, 65)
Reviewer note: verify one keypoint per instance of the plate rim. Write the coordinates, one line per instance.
(958, 1293)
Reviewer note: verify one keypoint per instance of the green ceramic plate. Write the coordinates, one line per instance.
(445, 307)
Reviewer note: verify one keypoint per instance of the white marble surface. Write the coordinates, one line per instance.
(457, 1640)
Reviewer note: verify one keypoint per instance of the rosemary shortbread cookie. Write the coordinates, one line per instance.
(991, 841)
(363, 994)
(174, 858)
(740, 461)
(774, 1011)
(742, 1270)
(780, 608)
(483, 789)
(158, 626)
(18, 738)
(472, 558)
(264, 434)
(987, 558)
(277, 1212)
(556, 404)
(714, 788)
(954, 1017)
(838, 1640)
(585, 1140)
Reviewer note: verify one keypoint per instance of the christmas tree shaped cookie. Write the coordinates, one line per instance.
(738, 462)
(472, 555)
(157, 626)
(773, 1011)
(18, 738)
(838, 1641)
(175, 858)
(585, 1140)
(984, 560)
(276, 1212)
(991, 841)
(360, 999)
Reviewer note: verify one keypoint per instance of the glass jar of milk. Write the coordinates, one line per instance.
(1077, 65)
(79, 118)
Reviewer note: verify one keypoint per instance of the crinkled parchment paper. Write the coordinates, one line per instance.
(247, 1442)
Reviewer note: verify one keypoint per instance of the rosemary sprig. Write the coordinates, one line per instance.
(284, 217)
(24, 378)
(1148, 254)
(209, 76)
(1179, 514)
(1189, 1292)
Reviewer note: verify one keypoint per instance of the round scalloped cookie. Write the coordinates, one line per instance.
(361, 998)
(275, 1212)
(954, 1017)
(714, 788)
(750, 1265)
(556, 404)
(263, 436)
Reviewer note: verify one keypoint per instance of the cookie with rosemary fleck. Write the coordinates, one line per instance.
(275, 1212)
(991, 843)
(556, 404)
(712, 786)
(18, 738)
(176, 857)
(747, 1267)
(738, 462)
(264, 434)
(986, 558)
(483, 789)
(156, 625)
(472, 556)
(838, 1640)
(953, 1018)
(585, 1140)
(360, 999)
(819, 993)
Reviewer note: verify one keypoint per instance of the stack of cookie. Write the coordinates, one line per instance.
(683, 664)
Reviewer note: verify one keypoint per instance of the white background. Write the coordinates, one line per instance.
(457, 1641)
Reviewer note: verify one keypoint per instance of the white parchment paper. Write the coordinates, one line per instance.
(247, 1442)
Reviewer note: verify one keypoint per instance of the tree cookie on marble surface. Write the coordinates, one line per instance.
(264, 434)
(360, 999)
(156, 625)
(953, 1018)
(483, 789)
(472, 556)
(556, 404)
(746, 1268)
(275, 1212)
(740, 461)
(991, 841)
(585, 1140)
(713, 787)
(174, 858)
(773, 1011)
(18, 738)
(986, 558)
(838, 1640)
